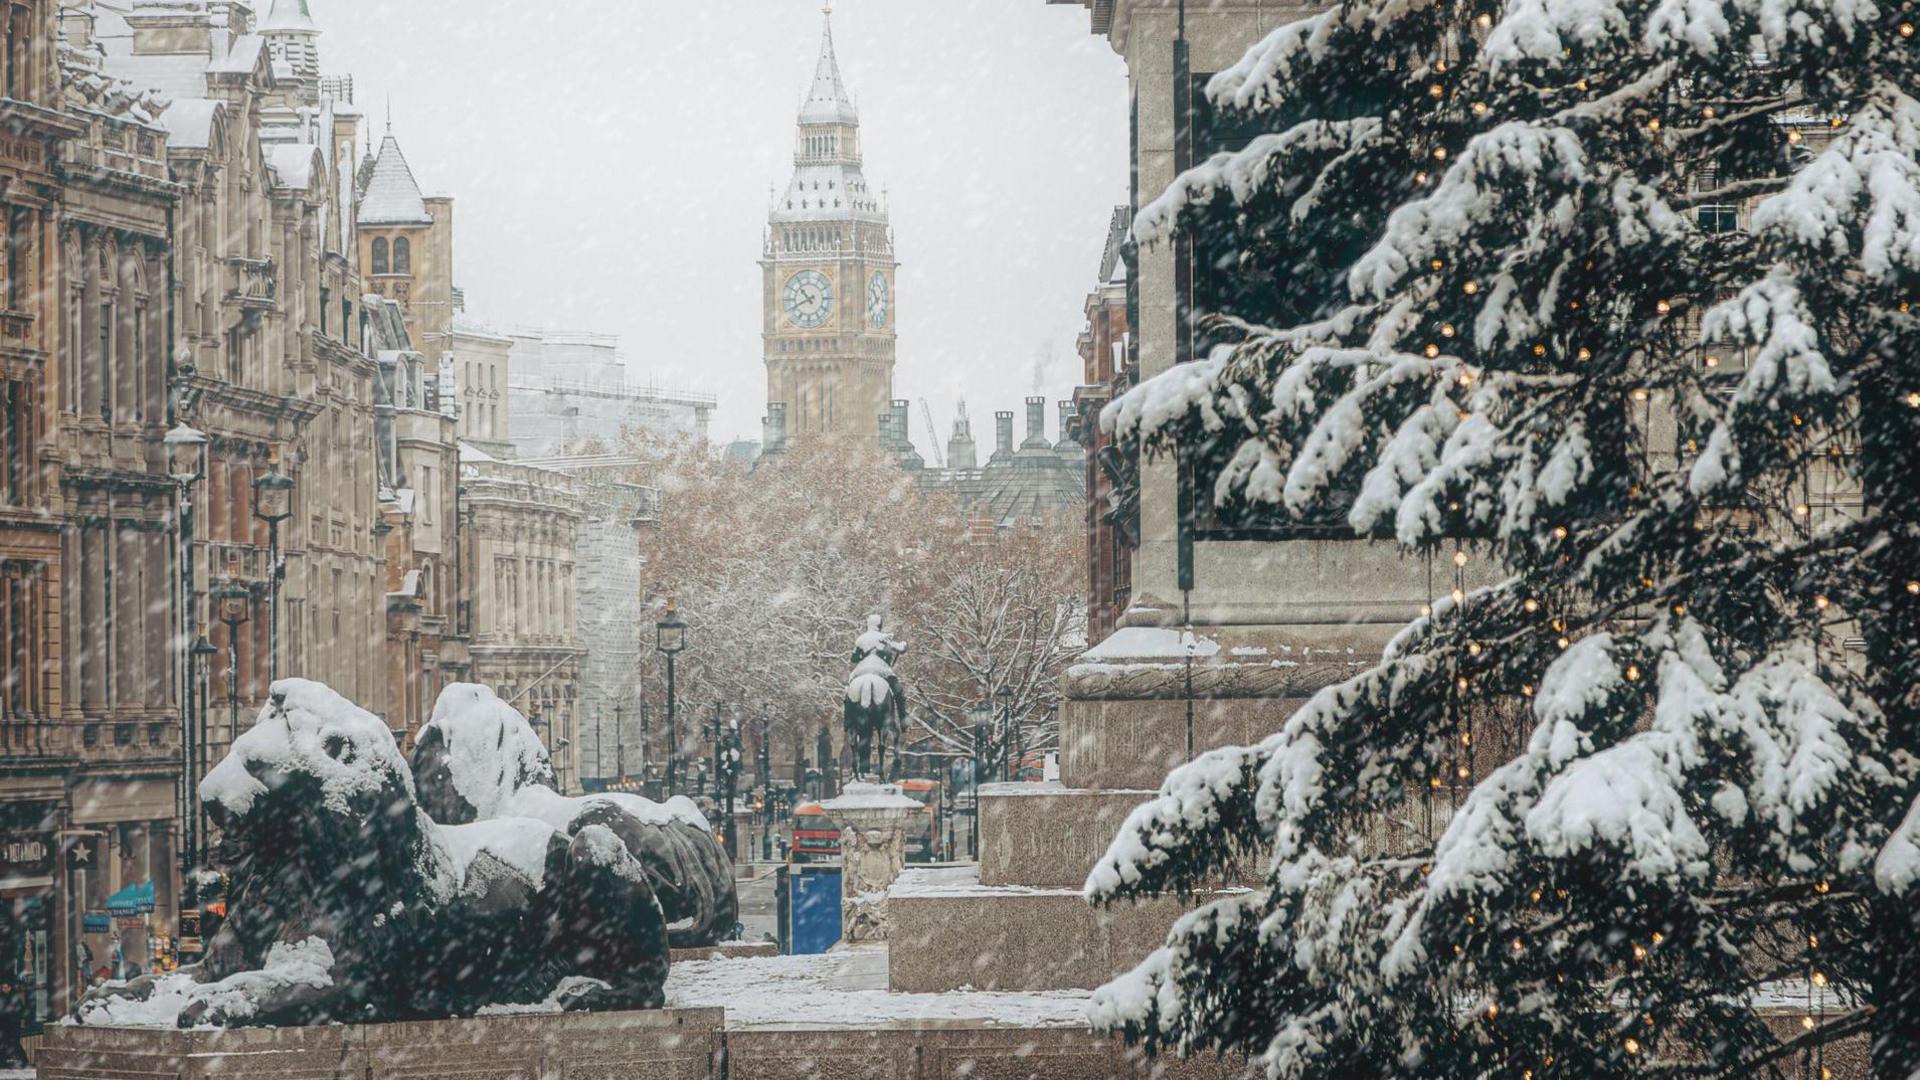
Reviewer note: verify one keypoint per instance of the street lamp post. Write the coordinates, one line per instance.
(273, 504)
(729, 768)
(714, 765)
(619, 743)
(1004, 696)
(199, 659)
(979, 764)
(236, 608)
(670, 638)
(187, 462)
(646, 740)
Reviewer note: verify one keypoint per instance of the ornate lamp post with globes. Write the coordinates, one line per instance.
(235, 600)
(273, 504)
(670, 638)
(187, 463)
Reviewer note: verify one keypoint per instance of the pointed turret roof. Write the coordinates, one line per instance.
(828, 101)
(290, 15)
(393, 196)
(827, 183)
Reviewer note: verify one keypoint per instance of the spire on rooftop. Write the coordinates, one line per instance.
(828, 101)
(393, 195)
(290, 15)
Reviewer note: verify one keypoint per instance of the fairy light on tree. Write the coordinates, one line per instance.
(1477, 366)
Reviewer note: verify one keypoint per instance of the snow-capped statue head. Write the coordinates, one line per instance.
(309, 744)
(474, 754)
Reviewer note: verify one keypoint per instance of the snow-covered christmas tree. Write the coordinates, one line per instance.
(1604, 304)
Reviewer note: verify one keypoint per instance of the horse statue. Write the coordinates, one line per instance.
(876, 701)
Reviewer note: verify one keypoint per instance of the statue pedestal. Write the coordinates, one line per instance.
(873, 850)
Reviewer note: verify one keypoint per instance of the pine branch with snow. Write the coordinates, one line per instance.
(1615, 295)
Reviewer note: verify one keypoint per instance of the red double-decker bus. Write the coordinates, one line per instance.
(815, 839)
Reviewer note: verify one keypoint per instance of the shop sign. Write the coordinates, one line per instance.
(96, 922)
(26, 855)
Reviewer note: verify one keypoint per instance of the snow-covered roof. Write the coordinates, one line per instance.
(471, 454)
(393, 195)
(828, 101)
(191, 122)
(177, 76)
(466, 325)
(294, 165)
(243, 58)
(828, 191)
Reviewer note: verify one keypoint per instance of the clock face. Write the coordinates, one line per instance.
(878, 303)
(809, 298)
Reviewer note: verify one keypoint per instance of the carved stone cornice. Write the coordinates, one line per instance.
(1166, 680)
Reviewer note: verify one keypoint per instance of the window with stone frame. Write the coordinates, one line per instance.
(17, 438)
(23, 639)
(381, 263)
(402, 256)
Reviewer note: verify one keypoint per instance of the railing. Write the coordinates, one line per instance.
(251, 282)
(625, 391)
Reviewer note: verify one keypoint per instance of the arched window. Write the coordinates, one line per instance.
(402, 256)
(380, 255)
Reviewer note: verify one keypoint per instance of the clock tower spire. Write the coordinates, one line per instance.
(828, 275)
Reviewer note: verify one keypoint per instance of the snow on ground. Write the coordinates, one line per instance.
(849, 990)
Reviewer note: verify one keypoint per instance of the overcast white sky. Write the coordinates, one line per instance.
(611, 158)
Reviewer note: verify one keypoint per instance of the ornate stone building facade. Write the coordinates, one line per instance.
(405, 252)
(829, 276)
(1107, 363)
(117, 499)
(482, 356)
(41, 741)
(523, 528)
(268, 359)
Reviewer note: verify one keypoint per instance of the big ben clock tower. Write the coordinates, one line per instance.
(828, 269)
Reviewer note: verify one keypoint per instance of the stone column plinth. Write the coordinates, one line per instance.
(873, 851)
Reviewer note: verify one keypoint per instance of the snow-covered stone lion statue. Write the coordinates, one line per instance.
(479, 760)
(351, 904)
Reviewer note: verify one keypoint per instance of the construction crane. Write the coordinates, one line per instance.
(933, 435)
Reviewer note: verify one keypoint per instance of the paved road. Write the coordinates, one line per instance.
(757, 912)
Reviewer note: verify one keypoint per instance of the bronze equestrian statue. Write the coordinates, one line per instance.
(876, 700)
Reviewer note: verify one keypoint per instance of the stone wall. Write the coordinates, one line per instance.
(958, 1052)
(684, 1044)
(674, 1044)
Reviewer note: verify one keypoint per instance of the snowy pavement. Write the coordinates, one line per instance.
(848, 989)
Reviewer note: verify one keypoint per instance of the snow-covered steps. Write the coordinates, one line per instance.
(951, 932)
(1047, 835)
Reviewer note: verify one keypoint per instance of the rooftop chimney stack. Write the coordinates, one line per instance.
(901, 435)
(1002, 434)
(773, 429)
(1036, 425)
(1069, 416)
